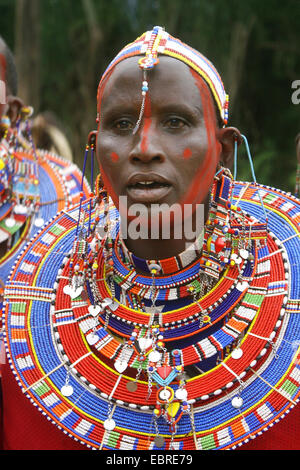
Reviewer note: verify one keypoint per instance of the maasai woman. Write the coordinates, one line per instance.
(34, 184)
(126, 335)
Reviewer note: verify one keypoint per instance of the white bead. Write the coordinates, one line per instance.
(237, 402)
(237, 353)
(154, 356)
(109, 424)
(67, 390)
(164, 394)
(10, 222)
(204, 397)
(39, 222)
(181, 394)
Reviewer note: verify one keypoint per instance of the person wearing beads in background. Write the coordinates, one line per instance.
(151, 343)
(34, 184)
(61, 182)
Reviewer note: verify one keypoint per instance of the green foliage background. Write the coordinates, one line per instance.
(269, 63)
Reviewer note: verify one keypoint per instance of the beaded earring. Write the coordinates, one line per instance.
(78, 264)
(251, 168)
(217, 239)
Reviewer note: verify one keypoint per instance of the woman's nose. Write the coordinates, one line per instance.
(147, 146)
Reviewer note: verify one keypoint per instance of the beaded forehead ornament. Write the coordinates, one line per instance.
(158, 41)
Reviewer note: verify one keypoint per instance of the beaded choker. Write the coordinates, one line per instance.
(166, 266)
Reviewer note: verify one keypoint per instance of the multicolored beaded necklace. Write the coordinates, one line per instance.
(35, 184)
(191, 371)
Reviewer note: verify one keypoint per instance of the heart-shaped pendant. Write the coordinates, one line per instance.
(159, 441)
(113, 306)
(244, 253)
(120, 366)
(106, 302)
(67, 289)
(20, 209)
(92, 338)
(241, 286)
(73, 293)
(145, 343)
(94, 310)
(173, 408)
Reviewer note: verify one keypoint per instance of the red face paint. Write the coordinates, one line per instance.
(106, 181)
(187, 154)
(200, 185)
(145, 132)
(114, 156)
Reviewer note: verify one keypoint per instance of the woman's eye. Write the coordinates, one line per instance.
(123, 125)
(175, 123)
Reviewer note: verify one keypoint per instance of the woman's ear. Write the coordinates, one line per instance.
(227, 136)
(15, 104)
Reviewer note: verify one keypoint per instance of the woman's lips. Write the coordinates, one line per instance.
(148, 192)
(147, 187)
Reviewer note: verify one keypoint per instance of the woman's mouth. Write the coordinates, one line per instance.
(148, 188)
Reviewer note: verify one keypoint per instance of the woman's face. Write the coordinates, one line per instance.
(173, 156)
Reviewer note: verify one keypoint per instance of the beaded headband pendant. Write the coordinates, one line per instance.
(146, 63)
(158, 41)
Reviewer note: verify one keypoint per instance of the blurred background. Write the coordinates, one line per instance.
(63, 46)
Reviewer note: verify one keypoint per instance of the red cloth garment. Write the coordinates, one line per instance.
(284, 435)
(25, 428)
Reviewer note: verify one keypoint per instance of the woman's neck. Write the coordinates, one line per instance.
(163, 247)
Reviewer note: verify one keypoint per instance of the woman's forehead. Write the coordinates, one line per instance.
(169, 78)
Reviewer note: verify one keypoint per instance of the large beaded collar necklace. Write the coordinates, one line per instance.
(35, 184)
(119, 359)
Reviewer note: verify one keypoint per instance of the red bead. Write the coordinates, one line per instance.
(219, 244)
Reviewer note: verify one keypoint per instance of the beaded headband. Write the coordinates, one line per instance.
(158, 41)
